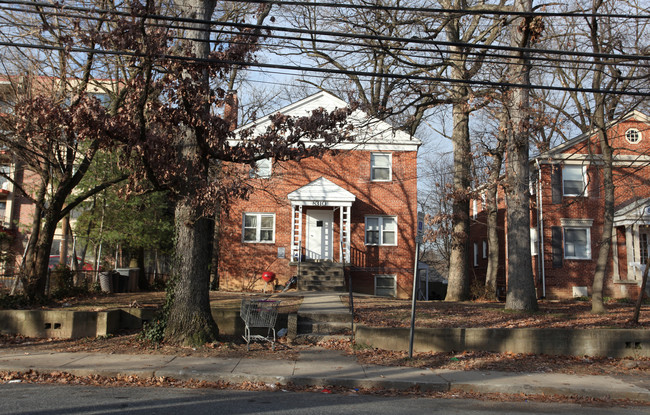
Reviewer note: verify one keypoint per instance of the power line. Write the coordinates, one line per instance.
(337, 71)
(418, 53)
(354, 36)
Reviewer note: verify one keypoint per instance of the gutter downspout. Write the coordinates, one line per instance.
(540, 225)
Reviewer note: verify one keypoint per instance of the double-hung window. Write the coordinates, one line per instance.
(577, 238)
(576, 243)
(381, 167)
(574, 180)
(381, 230)
(259, 227)
(262, 169)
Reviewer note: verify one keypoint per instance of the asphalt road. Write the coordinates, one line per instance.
(19, 398)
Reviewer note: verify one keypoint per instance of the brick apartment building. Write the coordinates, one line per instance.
(567, 204)
(354, 209)
(16, 209)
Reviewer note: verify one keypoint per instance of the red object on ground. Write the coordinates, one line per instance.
(268, 276)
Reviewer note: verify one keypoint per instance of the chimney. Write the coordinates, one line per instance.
(230, 109)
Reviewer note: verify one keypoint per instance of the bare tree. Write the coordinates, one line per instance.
(521, 285)
(592, 112)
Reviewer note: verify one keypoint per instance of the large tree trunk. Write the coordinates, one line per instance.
(521, 284)
(458, 288)
(190, 321)
(37, 259)
(605, 245)
(492, 200)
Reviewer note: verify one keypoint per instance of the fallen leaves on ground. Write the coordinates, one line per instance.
(381, 312)
(32, 376)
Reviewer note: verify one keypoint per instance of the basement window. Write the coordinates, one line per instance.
(385, 285)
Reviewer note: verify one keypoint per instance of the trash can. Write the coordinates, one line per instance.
(128, 279)
(106, 282)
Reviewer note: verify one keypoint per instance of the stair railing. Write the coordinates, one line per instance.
(351, 297)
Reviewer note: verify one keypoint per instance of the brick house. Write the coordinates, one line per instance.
(16, 209)
(567, 204)
(352, 212)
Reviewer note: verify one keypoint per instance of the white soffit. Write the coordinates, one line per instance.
(322, 190)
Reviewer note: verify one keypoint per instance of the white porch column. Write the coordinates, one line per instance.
(344, 255)
(637, 250)
(296, 231)
(615, 254)
(629, 249)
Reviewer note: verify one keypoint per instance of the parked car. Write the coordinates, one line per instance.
(56, 259)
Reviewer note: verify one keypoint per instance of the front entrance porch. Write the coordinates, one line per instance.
(320, 200)
(631, 234)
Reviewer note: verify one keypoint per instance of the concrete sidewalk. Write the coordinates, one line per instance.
(322, 367)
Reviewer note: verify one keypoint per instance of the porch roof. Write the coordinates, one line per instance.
(321, 192)
(636, 212)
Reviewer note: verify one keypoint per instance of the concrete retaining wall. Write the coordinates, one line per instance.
(59, 324)
(590, 342)
(67, 324)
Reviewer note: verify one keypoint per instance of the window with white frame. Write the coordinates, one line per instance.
(381, 230)
(262, 169)
(484, 249)
(259, 227)
(577, 243)
(5, 172)
(381, 167)
(385, 285)
(574, 180)
(633, 136)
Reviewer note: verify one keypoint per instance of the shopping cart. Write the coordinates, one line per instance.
(259, 313)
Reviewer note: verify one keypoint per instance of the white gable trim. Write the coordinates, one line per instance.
(639, 116)
(636, 213)
(321, 192)
(370, 134)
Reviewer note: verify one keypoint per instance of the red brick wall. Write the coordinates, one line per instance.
(630, 183)
(241, 264)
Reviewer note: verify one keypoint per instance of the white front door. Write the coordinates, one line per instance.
(319, 234)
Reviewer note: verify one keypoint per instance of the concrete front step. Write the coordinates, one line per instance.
(323, 328)
(324, 317)
(321, 276)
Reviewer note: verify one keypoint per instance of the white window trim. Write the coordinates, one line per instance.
(380, 219)
(588, 229)
(390, 167)
(393, 276)
(584, 180)
(638, 134)
(258, 228)
(484, 249)
(254, 172)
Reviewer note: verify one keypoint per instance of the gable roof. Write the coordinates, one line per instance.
(635, 212)
(370, 133)
(637, 115)
(322, 190)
